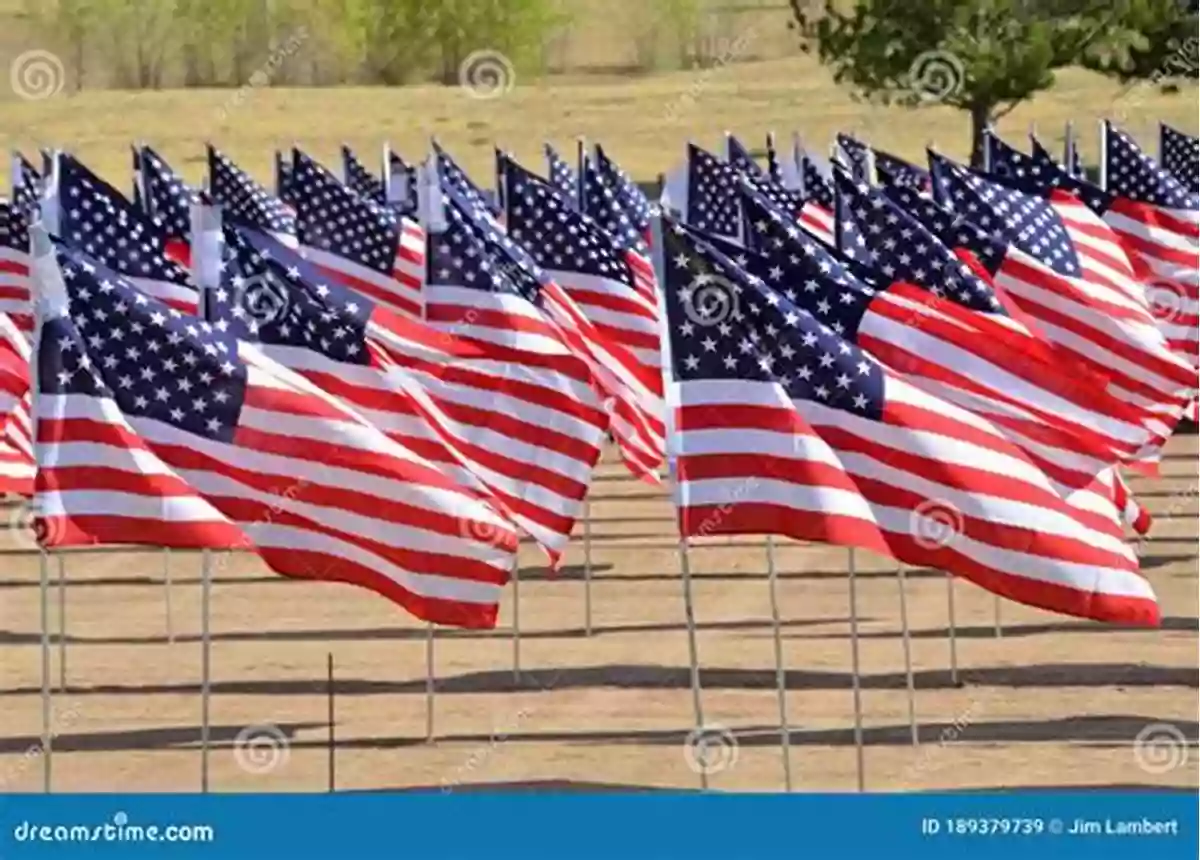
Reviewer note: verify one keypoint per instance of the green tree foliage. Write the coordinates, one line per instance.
(982, 56)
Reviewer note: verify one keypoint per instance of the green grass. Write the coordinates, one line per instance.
(644, 121)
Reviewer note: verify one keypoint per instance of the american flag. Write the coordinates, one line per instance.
(632, 397)
(615, 289)
(630, 197)
(177, 434)
(855, 156)
(17, 468)
(892, 170)
(1074, 289)
(168, 200)
(1167, 286)
(360, 180)
(403, 196)
(941, 325)
(816, 216)
(601, 205)
(741, 159)
(704, 192)
(245, 201)
(1135, 515)
(283, 175)
(14, 267)
(562, 176)
(1179, 154)
(357, 241)
(96, 218)
(485, 419)
(786, 427)
(454, 177)
(1072, 160)
(27, 185)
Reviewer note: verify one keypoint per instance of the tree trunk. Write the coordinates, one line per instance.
(981, 121)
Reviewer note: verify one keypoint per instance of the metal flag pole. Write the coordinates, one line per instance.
(908, 669)
(332, 782)
(996, 612)
(951, 629)
(166, 558)
(205, 662)
(47, 735)
(1103, 154)
(672, 482)
(587, 567)
(858, 730)
(429, 687)
(62, 623)
(516, 624)
(785, 732)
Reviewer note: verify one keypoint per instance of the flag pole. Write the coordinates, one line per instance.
(329, 693)
(987, 167)
(47, 735)
(166, 557)
(952, 629)
(516, 624)
(908, 669)
(857, 684)
(1103, 155)
(429, 690)
(785, 732)
(660, 272)
(62, 623)
(205, 662)
(587, 567)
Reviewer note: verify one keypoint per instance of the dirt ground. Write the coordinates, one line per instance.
(1050, 702)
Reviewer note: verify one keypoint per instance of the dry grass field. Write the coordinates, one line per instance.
(1052, 702)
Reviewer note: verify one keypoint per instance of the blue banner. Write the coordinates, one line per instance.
(1029, 825)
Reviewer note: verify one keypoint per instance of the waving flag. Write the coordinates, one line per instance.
(600, 203)
(1071, 289)
(245, 201)
(462, 404)
(855, 156)
(195, 439)
(786, 427)
(14, 267)
(629, 196)
(96, 218)
(613, 289)
(562, 177)
(356, 241)
(168, 200)
(360, 180)
(1179, 155)
(703, 191)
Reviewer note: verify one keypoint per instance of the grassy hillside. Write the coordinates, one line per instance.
(644, 120)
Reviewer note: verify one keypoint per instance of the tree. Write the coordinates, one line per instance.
(983, 56)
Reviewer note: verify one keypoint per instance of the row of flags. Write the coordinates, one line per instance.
(391, 378)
